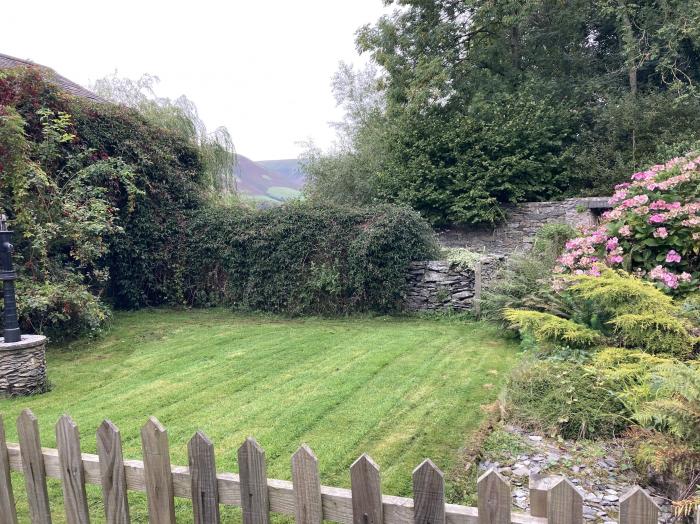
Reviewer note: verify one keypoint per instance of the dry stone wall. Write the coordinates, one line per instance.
(440, 285)
(522, 222)
(23, 366)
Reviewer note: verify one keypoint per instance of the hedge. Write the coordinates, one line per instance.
(304, 258)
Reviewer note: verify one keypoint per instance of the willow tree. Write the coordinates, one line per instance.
(216, 148)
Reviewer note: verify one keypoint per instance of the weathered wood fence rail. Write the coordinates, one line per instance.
(304, 498)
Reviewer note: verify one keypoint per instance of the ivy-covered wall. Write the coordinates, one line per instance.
(304, 258)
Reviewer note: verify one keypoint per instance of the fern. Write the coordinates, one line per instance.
(675, 407)
(685, 507)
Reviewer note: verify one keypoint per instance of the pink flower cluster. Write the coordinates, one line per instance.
(668, 278)
(659, 203)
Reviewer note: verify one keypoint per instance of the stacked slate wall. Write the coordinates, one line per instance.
(439, 285)
(517, 231)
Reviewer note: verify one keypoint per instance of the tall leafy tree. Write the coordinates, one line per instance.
(218, 154)
(490, 102)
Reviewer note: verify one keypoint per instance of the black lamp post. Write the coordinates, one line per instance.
(8, 277)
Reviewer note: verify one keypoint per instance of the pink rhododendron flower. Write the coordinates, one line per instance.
(663, 196)
(594, 271)
(660, 232)
(642, 175)
(625, 231)
(672, 257)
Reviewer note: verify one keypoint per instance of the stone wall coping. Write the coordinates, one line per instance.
(486, 257)
(26, 342)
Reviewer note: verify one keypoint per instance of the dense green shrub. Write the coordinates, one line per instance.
(619, 308)
(144, 259)
(98, 196)
(564, 399)
(303, 258)
(60, 309)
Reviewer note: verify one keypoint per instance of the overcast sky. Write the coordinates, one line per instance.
(261, 68)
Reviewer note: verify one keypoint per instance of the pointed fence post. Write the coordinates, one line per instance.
(308, 508)
(205, 488)
(539, 486)
(366, 491)
(564, 503)
(637, 507)
(112, 474)
(72, 474)
(33, 468)
(253, 478)
(428, 494)
(8, 512)
(157, 473)
(493, 498)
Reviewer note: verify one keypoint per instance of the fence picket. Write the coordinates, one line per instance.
(539, 486)
(253, 478)
(564, 503)
(308, 508)
(637, 507)
(428, 494)
(257, 495)
(8, 513)
(33, 467)
(158, 475)
(493, 498)
(205, 490)
(112, 475)
(73, 476)
(366, 489)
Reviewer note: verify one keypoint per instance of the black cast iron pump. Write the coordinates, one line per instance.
(8, 277)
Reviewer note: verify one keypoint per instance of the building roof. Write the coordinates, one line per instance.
(7, 62)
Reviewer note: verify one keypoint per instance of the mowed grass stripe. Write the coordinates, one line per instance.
(401, 389)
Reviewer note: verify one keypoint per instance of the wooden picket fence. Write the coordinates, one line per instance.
(304, 497)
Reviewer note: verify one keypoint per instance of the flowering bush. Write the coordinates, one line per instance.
(652, 230)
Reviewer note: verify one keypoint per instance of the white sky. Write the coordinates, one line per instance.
(261, 68)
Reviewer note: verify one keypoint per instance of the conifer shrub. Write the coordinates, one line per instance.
(550, 329)
(613, 308)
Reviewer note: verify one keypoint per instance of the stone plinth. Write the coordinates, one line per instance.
(23, 366)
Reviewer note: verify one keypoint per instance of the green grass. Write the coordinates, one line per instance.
(282, 193)
(401, 389)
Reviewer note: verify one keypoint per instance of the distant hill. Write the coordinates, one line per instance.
(271, 181)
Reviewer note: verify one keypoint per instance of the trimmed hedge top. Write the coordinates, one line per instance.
(304, 258)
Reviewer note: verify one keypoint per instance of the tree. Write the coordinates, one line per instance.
(347, 174)
(498, 102)
(216, 148)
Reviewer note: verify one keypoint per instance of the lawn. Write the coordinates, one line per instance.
(401, 389)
